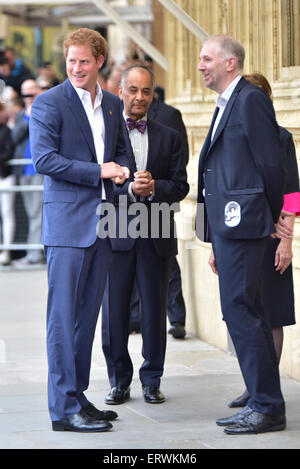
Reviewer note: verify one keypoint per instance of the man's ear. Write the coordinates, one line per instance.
(100, 61)
(231, 64)
(120, 93)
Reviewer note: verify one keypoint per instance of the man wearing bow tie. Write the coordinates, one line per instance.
(158, 175)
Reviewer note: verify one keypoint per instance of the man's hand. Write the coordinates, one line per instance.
(118, 174)
(126, 174)
(143, 184)
(212, 263)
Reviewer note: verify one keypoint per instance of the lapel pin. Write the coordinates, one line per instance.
(110, 112)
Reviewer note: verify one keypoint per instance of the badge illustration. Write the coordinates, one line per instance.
(232, 214)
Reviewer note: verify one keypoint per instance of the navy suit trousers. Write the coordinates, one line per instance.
(239, 263)
(76, 278)
(176, 307)
(152, 276)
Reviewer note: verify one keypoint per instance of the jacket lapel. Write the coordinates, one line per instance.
(109, 124)
(210, 143)
(79, 113)
(129, 151)
(154, 136)
(207, 141)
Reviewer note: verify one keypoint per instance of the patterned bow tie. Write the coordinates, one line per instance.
(140, 125)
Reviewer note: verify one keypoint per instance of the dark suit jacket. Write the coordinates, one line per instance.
(6, 149)
(242, 168)
(166, 165)
(62, 148)
(291, 183)
(170, 116)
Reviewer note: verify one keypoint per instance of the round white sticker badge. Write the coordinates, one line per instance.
(232, 214)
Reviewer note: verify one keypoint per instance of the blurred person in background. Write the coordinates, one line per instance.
(6, 180)
(33, 200)
(13, 71)
(114, 80)
(48, 73)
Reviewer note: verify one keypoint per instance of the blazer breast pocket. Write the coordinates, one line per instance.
(241, 214)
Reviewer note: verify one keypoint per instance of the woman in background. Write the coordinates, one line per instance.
(7, 199)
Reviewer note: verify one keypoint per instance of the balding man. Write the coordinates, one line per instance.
(241, 183)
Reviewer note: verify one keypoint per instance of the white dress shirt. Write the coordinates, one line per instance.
(96, 121)
(139, 144)
(222, 101)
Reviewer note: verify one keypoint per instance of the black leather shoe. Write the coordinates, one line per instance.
(91, 411)
(177, 330)
(153, 395)
(256, 422)
(117, 396)
(238, 402)
(80, 422)
(236, 418)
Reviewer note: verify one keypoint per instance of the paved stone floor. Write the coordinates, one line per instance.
(198, 382)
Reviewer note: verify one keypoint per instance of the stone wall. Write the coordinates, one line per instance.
(261, 27)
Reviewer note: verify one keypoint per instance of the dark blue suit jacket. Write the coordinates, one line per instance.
(170, 116)
(63, 150)
(242, 168)
(167, 166)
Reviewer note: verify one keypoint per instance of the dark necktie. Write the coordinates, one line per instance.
(140, 125)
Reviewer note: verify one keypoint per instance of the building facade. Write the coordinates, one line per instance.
(269, 31)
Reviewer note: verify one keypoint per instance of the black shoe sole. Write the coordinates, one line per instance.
(117, 402)
(154, 402)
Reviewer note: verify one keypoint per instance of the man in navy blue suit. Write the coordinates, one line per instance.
(158, 176)
(77, 143)
(240, 184)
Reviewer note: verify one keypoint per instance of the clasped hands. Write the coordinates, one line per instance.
(143, 184)
(118, 174)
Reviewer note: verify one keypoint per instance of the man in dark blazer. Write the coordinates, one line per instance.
(77, 143)
(240, 183)
(158, 176)
(170, 116)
